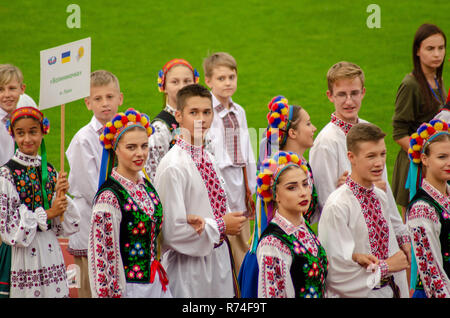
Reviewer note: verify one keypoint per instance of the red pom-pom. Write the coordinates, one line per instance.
(266, 179)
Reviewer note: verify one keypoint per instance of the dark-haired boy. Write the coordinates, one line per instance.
(198, 263)
(365, 259)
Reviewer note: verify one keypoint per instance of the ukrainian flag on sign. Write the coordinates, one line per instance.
(65, 57)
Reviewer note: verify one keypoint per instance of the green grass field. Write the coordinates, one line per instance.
(282, 47)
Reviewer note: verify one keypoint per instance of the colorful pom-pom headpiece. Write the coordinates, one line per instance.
(419, 140)
(120, 123)
(271, 170)
(279, 121)
(113, 131)
(163, 72)
(28, 111)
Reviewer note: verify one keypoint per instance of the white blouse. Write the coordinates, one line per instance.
(37, 263)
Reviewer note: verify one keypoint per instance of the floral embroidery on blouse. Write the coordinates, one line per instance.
(443, 200)
(103, 244)
(431, 276)
(274, 269)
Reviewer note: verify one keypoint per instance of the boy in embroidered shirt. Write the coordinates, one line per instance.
(328, 155)
(230, 144)
(362, 247)
(84, 155)
(188, 183)
(12, 96)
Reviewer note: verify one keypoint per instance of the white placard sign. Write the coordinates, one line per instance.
(65, 73)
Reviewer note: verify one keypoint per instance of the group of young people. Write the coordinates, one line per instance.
(162, 207)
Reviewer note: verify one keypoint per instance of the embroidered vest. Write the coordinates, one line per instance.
(138, 231)
(308, 272)
(28, 181)
(444, 236)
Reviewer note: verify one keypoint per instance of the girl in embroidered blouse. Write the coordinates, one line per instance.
(32, 202)
(291, 260)
(428, 217)
(127, 216)
(174, 75)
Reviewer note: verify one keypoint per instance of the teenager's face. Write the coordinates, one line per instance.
(223, 82)
(304, 132)
(132, 152)
(347, 96)
(104, 102)
(438, 161)
(10, 94)
(177, 77)
(195, 119)
(368, 162)
(432, 51)
(293, 191)
(28, 135)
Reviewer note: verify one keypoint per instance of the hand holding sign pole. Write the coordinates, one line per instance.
(65, 77)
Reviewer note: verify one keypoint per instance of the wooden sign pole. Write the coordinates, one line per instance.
(62, 147)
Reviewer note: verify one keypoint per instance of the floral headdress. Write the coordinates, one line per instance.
(28, 111)
(163, 72)
(270, 171)
(279, 120)
(112, 133)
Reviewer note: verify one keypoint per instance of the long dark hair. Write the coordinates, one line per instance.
(424, 31)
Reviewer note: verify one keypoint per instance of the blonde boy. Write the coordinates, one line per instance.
(12, 95)
(328, 157)
(230, 144)
(84, 155)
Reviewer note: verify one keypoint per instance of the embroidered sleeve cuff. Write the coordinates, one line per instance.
(384, 268)
(221, 225)
(403, 239)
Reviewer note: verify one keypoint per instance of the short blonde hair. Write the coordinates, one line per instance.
(8, 73)
(344, 70)
(216, 60)
(103, 78)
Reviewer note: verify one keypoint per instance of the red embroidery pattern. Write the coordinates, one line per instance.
(300, 233)
(345, 127)
(375, 221)
(429, 272)
(216, 193)
(106, 265)
(444, 201)
(46, 276)
(421, 209)
(274, 273)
